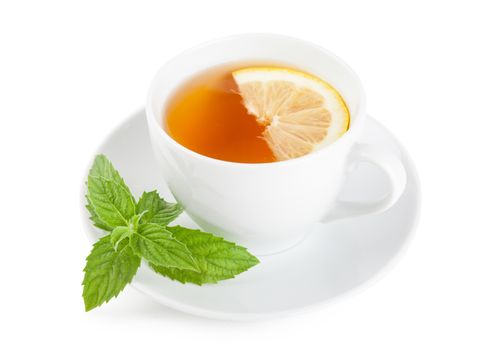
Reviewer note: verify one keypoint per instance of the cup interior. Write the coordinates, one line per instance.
(257, 47)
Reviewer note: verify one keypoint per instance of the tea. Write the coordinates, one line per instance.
(255, 114)
(207, 116)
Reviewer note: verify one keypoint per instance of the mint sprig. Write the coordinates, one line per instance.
(138, 230)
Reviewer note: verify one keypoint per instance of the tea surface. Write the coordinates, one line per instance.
(207, 115)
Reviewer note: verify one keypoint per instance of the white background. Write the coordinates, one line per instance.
(71, 71)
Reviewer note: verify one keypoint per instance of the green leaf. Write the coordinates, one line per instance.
(119, 234)
(155, 244)
(95, 219)
(112, 203)
(157, 210)
(217, 259)
(103, 169)
(107, 272)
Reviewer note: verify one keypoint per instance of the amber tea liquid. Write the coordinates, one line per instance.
(206, 114)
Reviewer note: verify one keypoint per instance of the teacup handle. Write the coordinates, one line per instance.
(394, 169)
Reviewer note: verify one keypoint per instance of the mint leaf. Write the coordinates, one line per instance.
(95, 218)
(112, 203)
(156, 209)
(119, 234)
(102, 167)
(216, 258)
(155, 244)
(107, 272)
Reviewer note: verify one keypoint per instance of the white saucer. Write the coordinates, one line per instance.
(333, 261)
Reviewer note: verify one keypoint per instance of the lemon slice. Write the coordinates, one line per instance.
(301, 113)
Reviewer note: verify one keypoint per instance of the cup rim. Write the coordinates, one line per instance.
(353, 127)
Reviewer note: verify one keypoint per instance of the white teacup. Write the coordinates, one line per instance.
(267, 207)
